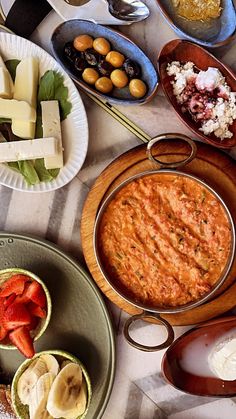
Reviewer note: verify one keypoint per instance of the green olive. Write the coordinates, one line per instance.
(119, 78)
(90, 75)
(137, 88)
(104, 84)
(115, 58)
(101, 45)
(83, 42)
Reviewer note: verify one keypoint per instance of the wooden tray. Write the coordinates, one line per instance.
(212, 166)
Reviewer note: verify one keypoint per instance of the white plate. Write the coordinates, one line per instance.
(74, 127)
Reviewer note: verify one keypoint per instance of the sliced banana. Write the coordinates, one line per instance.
(81, 403)
(29, 378)
(39, 396)
(51, 363)
(64, 395)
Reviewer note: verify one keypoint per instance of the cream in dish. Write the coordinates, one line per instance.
(206, 96)
(222, 359)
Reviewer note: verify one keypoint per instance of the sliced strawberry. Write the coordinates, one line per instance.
(15, 285)
(3, 332)
(23, 341)
(16, 315)
(33, 324)
(35, 310)
(23, 298)
(36, 294)
(9, 300)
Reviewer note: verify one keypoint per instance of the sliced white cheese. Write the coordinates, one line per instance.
(23, 129)
(26, 85)
(10, 82)
(10, 108)
(5, 87)
(27, 150)
(26, 80)
(52, 127)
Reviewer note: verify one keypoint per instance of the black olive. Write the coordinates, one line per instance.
(80, 64)
(69, 51)
(105, 68)
(92, 57)
(132, 68)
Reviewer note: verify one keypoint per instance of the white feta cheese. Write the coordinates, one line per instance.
(27, 149)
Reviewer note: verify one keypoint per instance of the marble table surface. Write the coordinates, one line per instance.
(139, 391)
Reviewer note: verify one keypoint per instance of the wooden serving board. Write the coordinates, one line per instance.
(211, 165)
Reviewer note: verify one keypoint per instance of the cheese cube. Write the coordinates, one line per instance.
(27, 150)
(52, 128)
(26, 86)
(11, 108)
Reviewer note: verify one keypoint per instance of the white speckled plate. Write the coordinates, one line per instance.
(74, 127)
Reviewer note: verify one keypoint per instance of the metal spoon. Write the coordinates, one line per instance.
(130, 10)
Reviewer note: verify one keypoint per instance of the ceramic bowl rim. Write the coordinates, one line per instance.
(45, 324)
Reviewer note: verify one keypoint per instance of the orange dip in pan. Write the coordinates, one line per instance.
(164, 239)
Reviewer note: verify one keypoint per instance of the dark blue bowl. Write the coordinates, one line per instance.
(211, 33)
(67, 31)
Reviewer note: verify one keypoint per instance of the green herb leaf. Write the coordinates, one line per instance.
(27, 169)
(51, 87)
(46, 86)
(44, 174)
(5, 121)
(14, 165)
(11, 66)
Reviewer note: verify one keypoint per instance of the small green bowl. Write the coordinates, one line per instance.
(22, 410)
(43, 323)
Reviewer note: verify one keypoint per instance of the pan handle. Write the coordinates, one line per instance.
(176, 136)
(148, 315)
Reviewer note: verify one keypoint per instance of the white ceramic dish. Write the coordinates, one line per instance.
(94, 10)
(74, 127)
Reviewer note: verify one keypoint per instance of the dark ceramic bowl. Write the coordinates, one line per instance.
(185, 364)
(184, 51)
(211, 33)
(67, 31)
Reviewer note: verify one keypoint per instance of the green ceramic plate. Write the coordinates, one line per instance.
(80, 323)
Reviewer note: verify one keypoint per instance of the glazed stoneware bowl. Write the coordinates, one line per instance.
(184, 51)
(67, 31)
(210, 33)
(179, 365)
(43, 323)
(22, 410)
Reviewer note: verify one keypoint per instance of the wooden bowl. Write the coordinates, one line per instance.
(184, 51)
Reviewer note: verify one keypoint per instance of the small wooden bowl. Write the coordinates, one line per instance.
(184, 51)
(22, 410)
(43, 323)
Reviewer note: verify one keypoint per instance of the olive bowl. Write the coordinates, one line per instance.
(68, 30)
(22, 410)
(36, 333)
